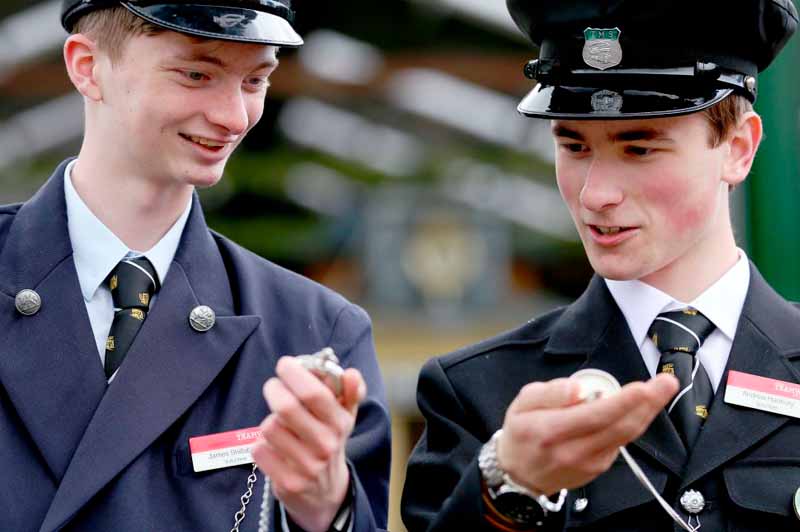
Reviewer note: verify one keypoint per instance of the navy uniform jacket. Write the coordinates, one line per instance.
(746, 462)
(77, 454)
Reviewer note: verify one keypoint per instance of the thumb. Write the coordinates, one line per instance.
(354, 389)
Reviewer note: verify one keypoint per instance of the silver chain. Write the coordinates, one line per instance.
(263, 520)
(238, 517)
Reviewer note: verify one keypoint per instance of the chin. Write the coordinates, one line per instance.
(204, 176)
(205, 181)
(615, 270)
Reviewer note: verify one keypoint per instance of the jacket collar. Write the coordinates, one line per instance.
(106, 427)
(766, 338)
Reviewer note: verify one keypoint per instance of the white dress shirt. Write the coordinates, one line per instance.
(721, 303)
(97, 251)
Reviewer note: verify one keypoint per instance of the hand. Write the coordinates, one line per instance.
(303, 450)
(551, 441)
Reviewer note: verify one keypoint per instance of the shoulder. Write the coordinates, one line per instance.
(261, 282)
(7, 215)
(532, 335)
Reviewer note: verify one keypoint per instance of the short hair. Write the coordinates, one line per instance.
(111, 28)
(724, 116)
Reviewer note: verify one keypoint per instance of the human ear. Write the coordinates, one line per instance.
(743, 143)
(81, 58)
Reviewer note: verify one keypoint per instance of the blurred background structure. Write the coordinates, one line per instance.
(391, 165)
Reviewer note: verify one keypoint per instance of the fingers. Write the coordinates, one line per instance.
(354, 390)
(323, 436)
(312, 392)
(293, 450)
(284, 476)
(308, 408)
(625, 415)
(551, 394)
(567, 444)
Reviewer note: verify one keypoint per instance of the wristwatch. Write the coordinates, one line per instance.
(516, 503)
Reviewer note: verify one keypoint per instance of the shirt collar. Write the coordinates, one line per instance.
(721, 303)
(96, 250)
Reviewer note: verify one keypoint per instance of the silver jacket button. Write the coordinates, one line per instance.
(580, 504)
(202, 318)
(28, 302)
(693, 501)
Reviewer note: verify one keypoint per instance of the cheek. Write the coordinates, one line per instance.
(678, 206)
(569, 183)
(255, 109)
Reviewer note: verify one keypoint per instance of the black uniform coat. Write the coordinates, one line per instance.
(77, 454)
(746, 462)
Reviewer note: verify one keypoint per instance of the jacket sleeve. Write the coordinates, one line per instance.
(443, 483)
(369, 447)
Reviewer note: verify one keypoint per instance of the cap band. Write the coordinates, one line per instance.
(266, 6)
(645, 55)
(71, 13)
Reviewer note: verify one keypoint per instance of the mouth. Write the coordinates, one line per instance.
(611, 234)
(209, 144)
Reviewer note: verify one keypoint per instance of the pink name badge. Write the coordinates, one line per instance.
(224, 449)
(761, 393)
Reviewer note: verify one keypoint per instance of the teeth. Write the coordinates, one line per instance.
(608, 230)
(206, 142)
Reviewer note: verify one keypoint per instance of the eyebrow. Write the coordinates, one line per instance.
(562, 131)
(631, 135)
(216, 61)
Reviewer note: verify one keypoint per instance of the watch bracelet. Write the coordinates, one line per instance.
(494, 476)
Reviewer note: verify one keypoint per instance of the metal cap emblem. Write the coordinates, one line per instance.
(602, 49)
(28, 302)
(693, 501)
(606, 101)
(580, 504)
(202, 318)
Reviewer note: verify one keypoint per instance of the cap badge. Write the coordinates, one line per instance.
(606, 101)
(602, 49)
(229, 21)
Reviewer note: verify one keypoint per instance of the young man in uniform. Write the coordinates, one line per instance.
(131, 329)
(650, 109)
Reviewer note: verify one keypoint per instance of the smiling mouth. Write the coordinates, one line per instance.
(202, 141)
(609, 230)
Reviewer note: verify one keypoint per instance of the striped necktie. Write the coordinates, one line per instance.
(678, 336)
(132, 283)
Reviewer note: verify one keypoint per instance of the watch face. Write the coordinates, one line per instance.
(519, 508)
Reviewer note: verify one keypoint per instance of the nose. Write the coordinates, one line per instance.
(601, 188)
(229, 110)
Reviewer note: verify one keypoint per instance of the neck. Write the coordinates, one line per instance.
(137, 210)
(687, 283)
(709, 259)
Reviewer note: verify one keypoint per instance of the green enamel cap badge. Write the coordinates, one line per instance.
(602, 49)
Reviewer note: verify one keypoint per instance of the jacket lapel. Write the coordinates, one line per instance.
(766, 333)
(166, 370)
(48, 360)
(595, 325)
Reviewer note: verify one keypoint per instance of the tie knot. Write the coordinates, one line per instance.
(132, 283)
(680, 331)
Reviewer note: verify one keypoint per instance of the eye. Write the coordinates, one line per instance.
(257, 82)
(638, 151)
(195, 76)
(575, 147)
